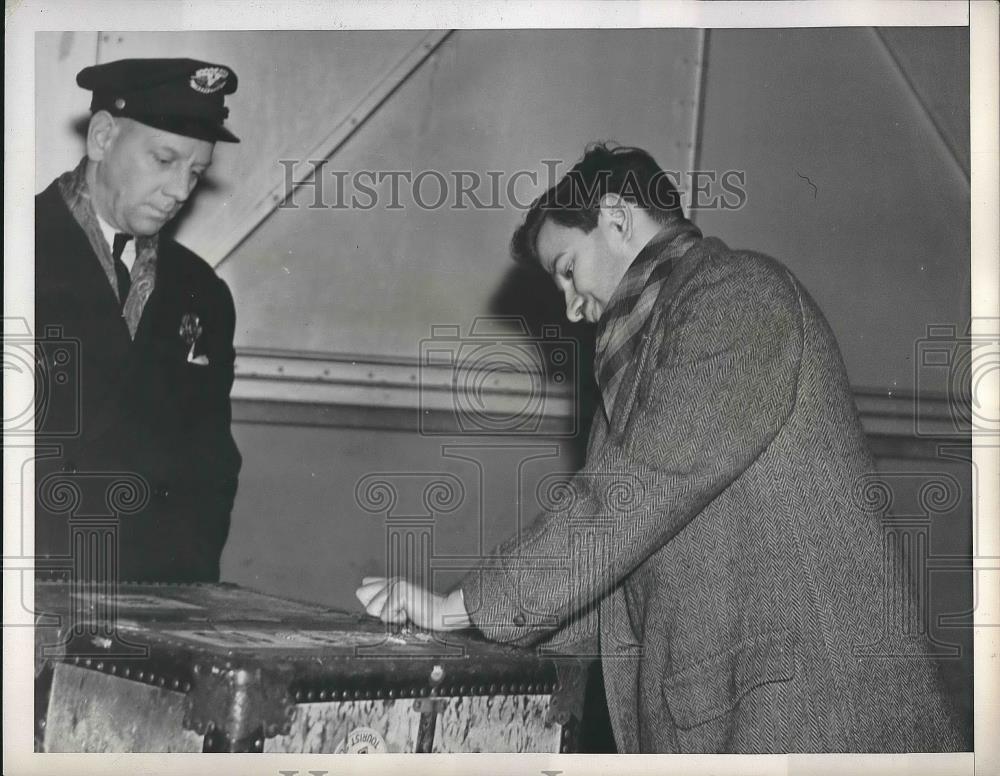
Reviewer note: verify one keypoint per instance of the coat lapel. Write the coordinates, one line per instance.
(74, 290)
(638, 370)
(147, 321)
(75, 274)
(127, 361)
(643, 365)
(124, 349)
(633, 377)
(89, 282)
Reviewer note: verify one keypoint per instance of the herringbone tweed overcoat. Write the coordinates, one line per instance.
(720, 542)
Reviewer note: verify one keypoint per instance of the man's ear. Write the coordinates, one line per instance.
(617, 217)
(101, 134)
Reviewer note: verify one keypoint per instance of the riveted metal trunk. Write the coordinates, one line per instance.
(182, 668)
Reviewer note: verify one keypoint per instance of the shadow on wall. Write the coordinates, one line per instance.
(528, 292)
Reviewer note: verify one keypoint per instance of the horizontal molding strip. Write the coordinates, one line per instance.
(893, 414)
(367, 391)
(354, 390)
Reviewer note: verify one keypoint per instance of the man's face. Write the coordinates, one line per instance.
(585, 267)
(144, 175)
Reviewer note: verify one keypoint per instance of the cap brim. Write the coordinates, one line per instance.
(179, 125)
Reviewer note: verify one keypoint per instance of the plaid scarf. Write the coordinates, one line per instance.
(620, 328)
(73, 187)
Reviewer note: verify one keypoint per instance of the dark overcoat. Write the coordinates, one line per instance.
(725, 541)
(133, 434)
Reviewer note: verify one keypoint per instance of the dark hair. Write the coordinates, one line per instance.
(575, 201)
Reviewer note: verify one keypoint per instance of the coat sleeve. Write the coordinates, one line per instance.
(219, 459)
(722, 386)
(231, 460)
(224, 355)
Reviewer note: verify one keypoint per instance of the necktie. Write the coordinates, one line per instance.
(121, 271)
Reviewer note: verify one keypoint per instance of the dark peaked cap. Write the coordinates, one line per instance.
(183, 96)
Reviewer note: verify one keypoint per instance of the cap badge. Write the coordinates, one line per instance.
(209, 79)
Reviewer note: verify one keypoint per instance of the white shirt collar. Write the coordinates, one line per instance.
(109, 232)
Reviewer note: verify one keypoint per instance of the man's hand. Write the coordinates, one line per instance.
(397, 601)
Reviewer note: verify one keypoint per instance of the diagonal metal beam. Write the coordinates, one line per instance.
(224, 246)
(925, 109)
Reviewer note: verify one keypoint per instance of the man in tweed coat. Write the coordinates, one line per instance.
(718, 541)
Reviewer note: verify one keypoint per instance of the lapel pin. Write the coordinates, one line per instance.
(189, 332)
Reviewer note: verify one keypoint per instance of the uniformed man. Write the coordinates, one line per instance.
(141, 442)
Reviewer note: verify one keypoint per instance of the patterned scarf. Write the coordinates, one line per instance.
(73, 187)
(619, 331)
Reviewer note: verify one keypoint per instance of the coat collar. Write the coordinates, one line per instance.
(652, 337)
(75, 192)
